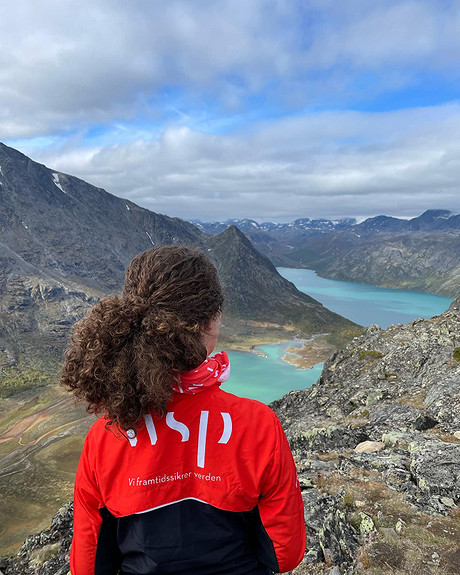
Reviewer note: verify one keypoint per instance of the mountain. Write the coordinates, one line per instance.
(279, 230)
(377, 447)
(276, 240)
(268, 296)
(69, 230)
(65, 243)
(421, 254)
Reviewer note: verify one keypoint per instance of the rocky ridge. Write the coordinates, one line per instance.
(377, 445)
(377, 442)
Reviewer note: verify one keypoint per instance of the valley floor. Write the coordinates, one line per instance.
(41, 436)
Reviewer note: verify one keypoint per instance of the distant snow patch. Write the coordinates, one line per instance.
(56, 182)
(27, 227)
(150, 238)
(128, 208)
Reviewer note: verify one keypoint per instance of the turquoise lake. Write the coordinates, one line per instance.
(267, 377)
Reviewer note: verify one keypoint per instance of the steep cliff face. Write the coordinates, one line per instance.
(377, 447)
(254, 289)
(67, 229)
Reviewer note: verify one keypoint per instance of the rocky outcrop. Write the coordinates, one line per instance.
(380, 435)
(45, 553)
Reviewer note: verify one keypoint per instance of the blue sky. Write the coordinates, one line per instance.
(268, 109)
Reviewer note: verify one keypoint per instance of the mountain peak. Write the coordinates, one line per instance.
(431, 215)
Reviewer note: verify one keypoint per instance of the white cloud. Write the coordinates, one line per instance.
(216, 109)
(78, 62)
(75, 64)
(329, 164)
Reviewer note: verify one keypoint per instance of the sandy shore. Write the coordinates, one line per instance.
(304, 354)
(313, 351)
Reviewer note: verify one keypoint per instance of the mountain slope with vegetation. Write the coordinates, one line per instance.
(65, 243)
(419, 259)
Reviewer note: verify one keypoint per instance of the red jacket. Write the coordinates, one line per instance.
(215, 448)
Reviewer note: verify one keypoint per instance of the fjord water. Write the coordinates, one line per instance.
(365, 304)
(267, 377)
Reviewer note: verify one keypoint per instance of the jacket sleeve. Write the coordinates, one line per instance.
(281, 506)
(86, 517)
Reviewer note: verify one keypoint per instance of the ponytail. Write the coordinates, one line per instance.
(123, 354)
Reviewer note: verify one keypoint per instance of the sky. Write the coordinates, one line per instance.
(218, 109)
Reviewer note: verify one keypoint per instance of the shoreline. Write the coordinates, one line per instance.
(304, 353)
(313, 351)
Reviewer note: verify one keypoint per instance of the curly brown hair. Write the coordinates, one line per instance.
(123, 353)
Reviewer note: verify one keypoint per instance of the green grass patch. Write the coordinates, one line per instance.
(342, 337)
(456, 354)
(369, 354)
(16, 379)
(349, 501)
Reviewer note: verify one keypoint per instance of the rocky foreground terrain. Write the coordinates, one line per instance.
(377, 444)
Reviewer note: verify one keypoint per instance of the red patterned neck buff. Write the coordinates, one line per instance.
(213, 371)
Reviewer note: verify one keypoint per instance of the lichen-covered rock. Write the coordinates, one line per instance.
(435, 466)
(367, 527)
(392, 465)
(443, 402)
(393, 415)
(331, 538)
(327, 439)
(401, 438)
